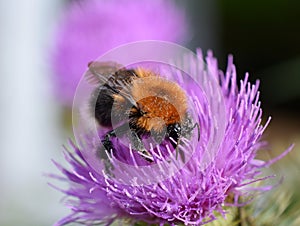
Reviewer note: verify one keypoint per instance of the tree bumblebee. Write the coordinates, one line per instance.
(141, 103)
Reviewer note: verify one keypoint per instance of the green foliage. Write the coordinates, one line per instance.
(278, 207)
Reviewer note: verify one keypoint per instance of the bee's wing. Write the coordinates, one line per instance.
(122, 84)
(99, 72)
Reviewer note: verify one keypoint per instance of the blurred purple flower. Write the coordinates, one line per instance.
(195, 194)
(90, 28)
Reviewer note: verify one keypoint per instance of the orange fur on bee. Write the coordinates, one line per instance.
(141, 72)
(162, 102)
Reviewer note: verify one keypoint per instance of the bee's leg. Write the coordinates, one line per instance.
(174, 132)
(105, 150)
(103, 155)
(139, 146)
(106, 141)
(134, 139)
(108, 146)
(198, 129)
(189, 127)
(179, 151)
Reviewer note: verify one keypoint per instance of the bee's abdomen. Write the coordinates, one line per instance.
(103, 107)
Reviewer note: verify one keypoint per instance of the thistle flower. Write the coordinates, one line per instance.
(198, 191)
(90, 28)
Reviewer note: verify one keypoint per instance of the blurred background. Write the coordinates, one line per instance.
(41, 41)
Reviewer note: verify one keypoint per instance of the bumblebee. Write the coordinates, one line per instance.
(140, 102)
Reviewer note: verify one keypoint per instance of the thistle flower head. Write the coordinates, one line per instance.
(215, 171)
(90, 28)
